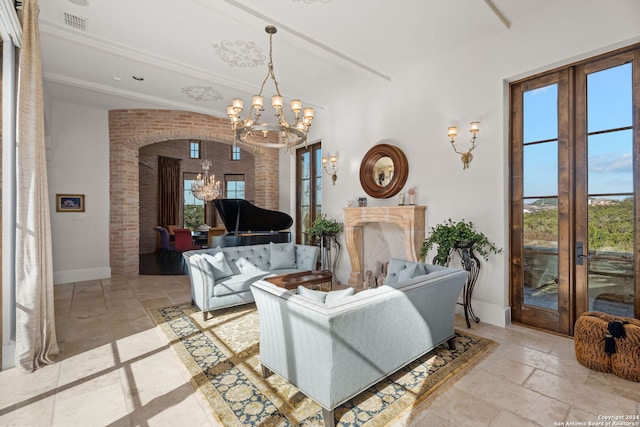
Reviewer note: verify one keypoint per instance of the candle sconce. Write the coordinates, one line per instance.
(465, 156)
(331, 170)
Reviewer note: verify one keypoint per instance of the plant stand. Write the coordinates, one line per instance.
(472, 264)
(329, 255)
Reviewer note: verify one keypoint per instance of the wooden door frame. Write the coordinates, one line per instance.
(572, 187)
(560, 320)
(309, 148)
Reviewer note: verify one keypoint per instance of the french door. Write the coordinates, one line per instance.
(308, 189)
(575, 163)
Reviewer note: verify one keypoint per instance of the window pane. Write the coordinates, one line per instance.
(611, 162)
(193, 209)
(306, 223)
(318, 191)
(540, 114)
(540, 168)
(305, 165)
(194, 150)
(540, 223)
(318, 157)
(306, 193)
(611, 273)
(609, 99)
(540, 235)
(541, 279)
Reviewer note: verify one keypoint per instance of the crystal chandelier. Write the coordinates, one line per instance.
(205, 187)
(256, 132)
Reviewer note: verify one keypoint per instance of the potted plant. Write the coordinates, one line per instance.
(458, 236)
(322, 226)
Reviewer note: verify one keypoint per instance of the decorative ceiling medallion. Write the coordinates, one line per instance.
(202, 93)
(240, 53)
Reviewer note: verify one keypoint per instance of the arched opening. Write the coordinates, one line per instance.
(129, 130)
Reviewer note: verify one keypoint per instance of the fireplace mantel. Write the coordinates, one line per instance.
(411, 220)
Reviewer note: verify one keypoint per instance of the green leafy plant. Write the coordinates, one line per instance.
(450, 236)
(323, 226)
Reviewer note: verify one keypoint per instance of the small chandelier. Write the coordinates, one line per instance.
(254, 131)
(205, 187)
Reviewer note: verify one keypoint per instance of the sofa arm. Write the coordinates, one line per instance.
(202, 280)
(307, 257)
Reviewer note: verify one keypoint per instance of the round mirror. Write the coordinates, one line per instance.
(383, 171)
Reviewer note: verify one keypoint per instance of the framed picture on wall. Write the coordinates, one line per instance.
(69, 202)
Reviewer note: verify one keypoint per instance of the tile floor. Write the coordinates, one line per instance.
(116, 370)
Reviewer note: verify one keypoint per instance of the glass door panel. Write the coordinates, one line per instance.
(610, 197)
(540, 197)
(575, 153)
(308, 189)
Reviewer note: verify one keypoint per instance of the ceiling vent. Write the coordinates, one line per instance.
(74, 21)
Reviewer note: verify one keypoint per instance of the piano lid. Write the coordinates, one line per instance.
(240, 216)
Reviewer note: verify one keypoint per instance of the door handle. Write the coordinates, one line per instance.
(580, 256)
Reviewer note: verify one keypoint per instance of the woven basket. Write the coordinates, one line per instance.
(590, 332)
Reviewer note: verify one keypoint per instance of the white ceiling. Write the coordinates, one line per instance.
(184, 49)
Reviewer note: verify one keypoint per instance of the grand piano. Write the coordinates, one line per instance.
(248, 224)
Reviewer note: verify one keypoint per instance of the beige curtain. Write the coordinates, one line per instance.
(35, 321)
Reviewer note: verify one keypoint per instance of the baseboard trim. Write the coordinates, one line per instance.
(70, 276)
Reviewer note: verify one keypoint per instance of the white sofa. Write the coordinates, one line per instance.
(333, 351)
(220, 277)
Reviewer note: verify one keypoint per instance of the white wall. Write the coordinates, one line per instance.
(78, 163)
(414, 110)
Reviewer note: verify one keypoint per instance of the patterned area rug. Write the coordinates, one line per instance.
(222, 355)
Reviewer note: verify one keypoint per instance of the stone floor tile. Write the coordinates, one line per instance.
(464, 408)
(506, 418)
(108, 408)
(589, 397)
(522, 401)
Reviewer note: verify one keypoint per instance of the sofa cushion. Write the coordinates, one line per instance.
(218, 265)
(237, 283)
(322, 297)
(399, 270)
(248, 259)
(282, 255)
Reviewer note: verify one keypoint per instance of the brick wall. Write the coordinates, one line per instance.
(130, 130)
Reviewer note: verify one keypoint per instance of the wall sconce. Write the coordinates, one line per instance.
(331, 170)
(465, 156)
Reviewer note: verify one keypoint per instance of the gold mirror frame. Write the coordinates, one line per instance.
(400, 173)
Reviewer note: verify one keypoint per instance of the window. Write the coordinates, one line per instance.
(235, 153)
(193, 209)
(194, 149)
(234, 186)
(308, 189)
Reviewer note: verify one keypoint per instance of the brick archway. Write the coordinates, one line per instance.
(131, 129)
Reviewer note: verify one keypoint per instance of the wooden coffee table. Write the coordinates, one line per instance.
(302, 278)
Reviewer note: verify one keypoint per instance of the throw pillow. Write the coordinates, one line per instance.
(310, 294)
(334, 296)
(399, 270)
(282, 255)
(421, 270)
(218, 265)
(407, 273)
(322, 297)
